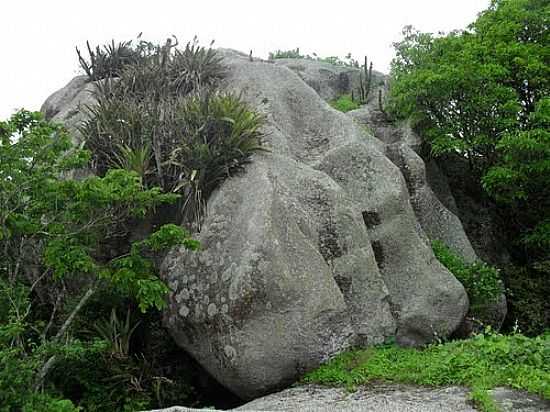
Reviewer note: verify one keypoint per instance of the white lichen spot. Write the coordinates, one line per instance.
(212, 309)
(225, 308)
(213, 278)
(226, 275)
(206, 299)
(223, 299)
(184, 311)
(184, 279)
(230, 352)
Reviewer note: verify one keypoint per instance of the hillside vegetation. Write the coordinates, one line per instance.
(84, 229)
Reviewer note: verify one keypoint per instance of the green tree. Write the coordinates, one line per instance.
(61, 240)
(521, 178)
(482, 93)
(453, 95)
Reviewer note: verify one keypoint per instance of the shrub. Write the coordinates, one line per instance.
(60, 242)
(344, 103)
(109, 60)
(164, 119)
(481, 281)
(347, 61)
(183, 69)
(484, 93)
(527, 291)
(286, 54)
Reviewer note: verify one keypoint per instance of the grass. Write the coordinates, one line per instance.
(480, 363)
(344, 103)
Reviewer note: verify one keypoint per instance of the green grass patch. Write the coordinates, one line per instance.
(480, 363)
(344, 103)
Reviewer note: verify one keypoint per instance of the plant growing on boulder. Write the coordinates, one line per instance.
(163, 118)
(109, 60)
(345, 103)
(286, 54)
(365, 82)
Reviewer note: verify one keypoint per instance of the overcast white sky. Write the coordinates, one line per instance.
(37, 38)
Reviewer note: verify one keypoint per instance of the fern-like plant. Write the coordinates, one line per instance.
(117, 333)
(164, 119)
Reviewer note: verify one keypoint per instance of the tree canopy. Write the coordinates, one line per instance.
(483, 93)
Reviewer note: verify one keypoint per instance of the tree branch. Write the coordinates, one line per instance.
(53, 359)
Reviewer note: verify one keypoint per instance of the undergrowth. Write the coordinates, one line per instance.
(481, 281)
(345, 103)
(480, 363)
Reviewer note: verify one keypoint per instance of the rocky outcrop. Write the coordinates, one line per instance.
(314, 248)
(381, 397)
(328, 80)
(68, 105)
(433, 202)
(403, 146)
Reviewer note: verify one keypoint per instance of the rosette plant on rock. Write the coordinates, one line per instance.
(163, 117)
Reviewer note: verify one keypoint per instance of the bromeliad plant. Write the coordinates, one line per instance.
(60, 242)
(163, 118)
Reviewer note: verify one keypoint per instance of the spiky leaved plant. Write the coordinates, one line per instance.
(109, 60)
(163, 118)
(117, 333)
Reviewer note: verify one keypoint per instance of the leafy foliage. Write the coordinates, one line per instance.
(521, 177)
(286, 54)
(527, 291)
(438, 82)
(481, 363)
(483, 93)
(163, 118)
(344, 103)
(60, 241)
(481, 281)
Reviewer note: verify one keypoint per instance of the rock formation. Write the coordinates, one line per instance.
(321, 244)
(313, 249)
(380, 397)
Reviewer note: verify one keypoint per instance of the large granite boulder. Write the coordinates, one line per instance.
(313, 249)
(433, 202)
(402, 145)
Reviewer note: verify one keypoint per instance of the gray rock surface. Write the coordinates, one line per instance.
(68, 105)
(314, 248)
(401, 146)
(329, 81)
(432, 201)
(381, 397)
